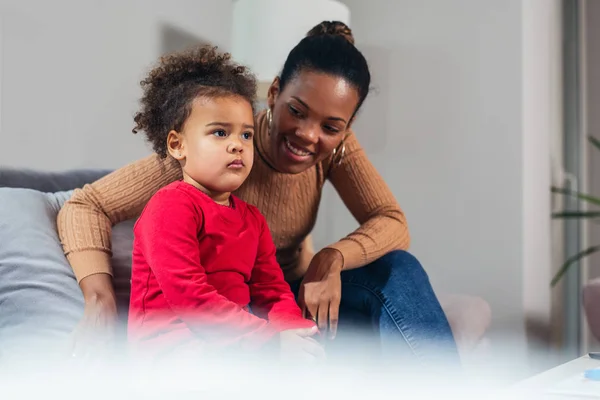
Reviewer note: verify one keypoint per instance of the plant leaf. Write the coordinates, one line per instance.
(581, 196)
(595, 142)
(576, 214)
(572, 260)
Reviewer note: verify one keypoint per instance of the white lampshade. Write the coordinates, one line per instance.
(265, 31)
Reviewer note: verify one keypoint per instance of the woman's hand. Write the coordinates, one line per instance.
(95, 332)
(321, 290)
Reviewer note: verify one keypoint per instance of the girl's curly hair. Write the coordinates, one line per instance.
(171, 87)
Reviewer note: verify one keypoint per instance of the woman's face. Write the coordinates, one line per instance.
(310, 117)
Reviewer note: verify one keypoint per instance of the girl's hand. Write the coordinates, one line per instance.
(297, 345)
(321, 290)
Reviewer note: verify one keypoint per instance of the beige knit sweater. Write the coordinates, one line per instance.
(289, 203)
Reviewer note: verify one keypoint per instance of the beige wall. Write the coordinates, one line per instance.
(542, 139)
(459, 124)
(71, 72)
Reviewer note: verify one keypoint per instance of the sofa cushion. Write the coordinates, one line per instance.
(40, 301)
(49, 182)
(122, 248)
(469, 318)
(591, 305)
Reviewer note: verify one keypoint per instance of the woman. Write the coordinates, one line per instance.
(366, 280)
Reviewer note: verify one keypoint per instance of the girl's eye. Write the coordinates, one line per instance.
(247, 135)
(220, 133)
(331, 129)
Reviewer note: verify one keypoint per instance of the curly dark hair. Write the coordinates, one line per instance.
(332, 28)
(179, 78)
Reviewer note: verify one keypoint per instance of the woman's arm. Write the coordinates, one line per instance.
(383, 225)
(84, 226)
(85, 221)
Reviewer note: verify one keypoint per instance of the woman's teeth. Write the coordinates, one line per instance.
(295, 150)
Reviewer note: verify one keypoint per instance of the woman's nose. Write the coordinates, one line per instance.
(309, 133)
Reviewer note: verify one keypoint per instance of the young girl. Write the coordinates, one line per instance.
(204, 273)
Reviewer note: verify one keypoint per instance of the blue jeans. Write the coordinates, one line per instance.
(388, 310)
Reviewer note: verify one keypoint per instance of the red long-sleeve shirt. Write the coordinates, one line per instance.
(197, 265)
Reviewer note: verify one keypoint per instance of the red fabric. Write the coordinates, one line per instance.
(196, 267)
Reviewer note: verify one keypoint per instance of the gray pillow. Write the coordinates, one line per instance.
(40, 300)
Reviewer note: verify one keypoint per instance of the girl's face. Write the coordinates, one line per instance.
(310, 118)
(215, 147)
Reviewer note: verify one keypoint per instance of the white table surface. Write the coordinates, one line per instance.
(540, 384)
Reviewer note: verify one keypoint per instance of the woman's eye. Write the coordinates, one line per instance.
(331, 129)
(247, 135)
(220, 133)
(294, 111)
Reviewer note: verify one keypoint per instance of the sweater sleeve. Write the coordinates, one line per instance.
(167, 236)
(383, 226)
(85, 220)
(271, 295)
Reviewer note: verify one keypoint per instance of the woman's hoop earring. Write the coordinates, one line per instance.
(338, 155)
(269, 119)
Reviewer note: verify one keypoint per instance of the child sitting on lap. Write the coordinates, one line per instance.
(204, 273)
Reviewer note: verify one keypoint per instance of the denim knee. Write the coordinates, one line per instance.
(401, 268)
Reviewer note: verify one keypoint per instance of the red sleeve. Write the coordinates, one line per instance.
(167, 233)
(271, 295)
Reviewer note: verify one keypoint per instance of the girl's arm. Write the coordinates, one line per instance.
(166, 237)
(271, 295)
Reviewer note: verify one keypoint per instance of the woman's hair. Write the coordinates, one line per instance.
(329, 48)
(171, 87)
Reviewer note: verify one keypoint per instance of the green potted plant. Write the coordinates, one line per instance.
(577, 215)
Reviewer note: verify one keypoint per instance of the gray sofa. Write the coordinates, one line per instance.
(40, 301)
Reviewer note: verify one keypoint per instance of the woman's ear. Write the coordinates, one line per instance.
(273, 93)
(175, 145)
